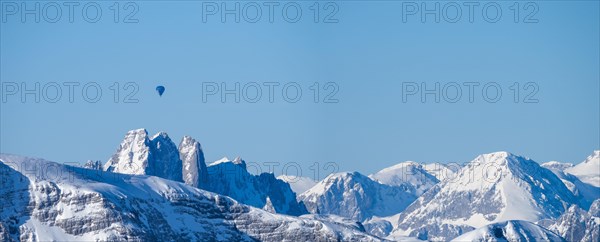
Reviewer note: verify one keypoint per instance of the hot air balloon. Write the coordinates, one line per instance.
(160, 90)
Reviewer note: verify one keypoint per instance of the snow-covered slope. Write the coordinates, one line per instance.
(409, 174)
(577, 224)
(140, 155)
(46, 201)
(299, 184)
(492, 188)
(588, 171)
(513, 230)
(231, 178)
(381, 226)
(356, 196)
(584, 192)
(195, 172)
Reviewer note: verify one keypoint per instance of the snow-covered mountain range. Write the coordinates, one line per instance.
(139, 154)
(78, 204)
(152, 189)
(492, 188)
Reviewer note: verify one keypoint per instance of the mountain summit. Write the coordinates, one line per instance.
(195, 172)
(409, 174)
(140, 155)
(493, 187)
(356, 196)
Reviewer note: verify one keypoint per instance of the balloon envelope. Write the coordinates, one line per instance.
(160, 90)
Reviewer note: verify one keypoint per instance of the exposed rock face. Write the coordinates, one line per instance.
(492, 188)
(94, 165)
(231, 178)
(140, 155)
(512, 230)
(133, 155)
(195, 172)
(578, 225)
(158, 156)
(80, 205)
(166, 162)
(356, 196)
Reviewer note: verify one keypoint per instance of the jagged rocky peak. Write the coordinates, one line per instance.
(195, 172)
(231, 178)
(93, 165)
(166, 163)
(269, 206)
(140, 155)
(132, 155)
(238, 161)
(577, 224)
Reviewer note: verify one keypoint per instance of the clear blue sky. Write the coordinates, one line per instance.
(369, 54)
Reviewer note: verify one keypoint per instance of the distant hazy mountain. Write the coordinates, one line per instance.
(355, 196)
(586, 192)
(409, 174)
(588, 171)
